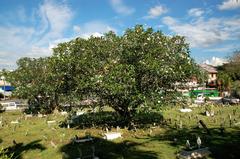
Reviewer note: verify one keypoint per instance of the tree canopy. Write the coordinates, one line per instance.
(126, 72)
(229, 74)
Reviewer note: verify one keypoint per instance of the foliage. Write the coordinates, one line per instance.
(224, 81)
(232, 68)
(33, 81)
(230, 74)
(124, 72)
(236, 88)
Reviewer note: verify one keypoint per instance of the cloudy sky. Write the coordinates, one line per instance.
(30, 28)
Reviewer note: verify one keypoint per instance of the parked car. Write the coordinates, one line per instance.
(230, 100)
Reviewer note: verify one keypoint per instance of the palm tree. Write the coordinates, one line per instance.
(224, 82)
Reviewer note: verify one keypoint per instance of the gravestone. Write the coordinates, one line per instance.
(112, 135)
(180, 124)
(51, 122)
(150, 132)
(106, 129)
(28, 116)
(199, 142)
(15, 122)
(118, 128)
(26, 133)
(229, 116)
(53, 144)
(188, 146)
(64, 113)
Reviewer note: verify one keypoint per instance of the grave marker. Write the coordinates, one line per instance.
(199, 142)
(188, 146)
(53, 144)
(180, 124)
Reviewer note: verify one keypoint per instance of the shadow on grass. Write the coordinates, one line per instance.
(18, 149)
(112, 119)
(106, 150)
(224, 145)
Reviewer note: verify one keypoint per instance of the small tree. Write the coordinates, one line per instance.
(32, 82)
(229, 76)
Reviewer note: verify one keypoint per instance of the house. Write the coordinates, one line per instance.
(212, 74)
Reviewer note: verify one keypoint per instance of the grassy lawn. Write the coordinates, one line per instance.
(35, 139)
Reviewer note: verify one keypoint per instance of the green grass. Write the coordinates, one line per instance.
(35, 138)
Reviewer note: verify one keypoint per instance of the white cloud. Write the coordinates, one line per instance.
(36, 52)
(15, 36)
(94, 28)
(55, 19)
(205, 33)
(76, 29)
(224, 49)
(216, 61)
(156, 11)
(121, 8)
(196, 12)
(229, 5)
(54, 43)
(51, 19)
(7, 64)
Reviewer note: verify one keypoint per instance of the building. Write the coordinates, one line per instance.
(212, 74)
(5, 87)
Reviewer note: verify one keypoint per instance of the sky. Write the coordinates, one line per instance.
(31, 28)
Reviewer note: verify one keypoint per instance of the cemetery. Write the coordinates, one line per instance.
(138, 95)
(176, 134)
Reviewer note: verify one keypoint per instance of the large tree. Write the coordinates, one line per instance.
(126, 72)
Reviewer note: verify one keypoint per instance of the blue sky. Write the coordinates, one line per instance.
(31, 28)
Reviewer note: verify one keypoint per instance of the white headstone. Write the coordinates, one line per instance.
(188, 144)
(199, 142)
